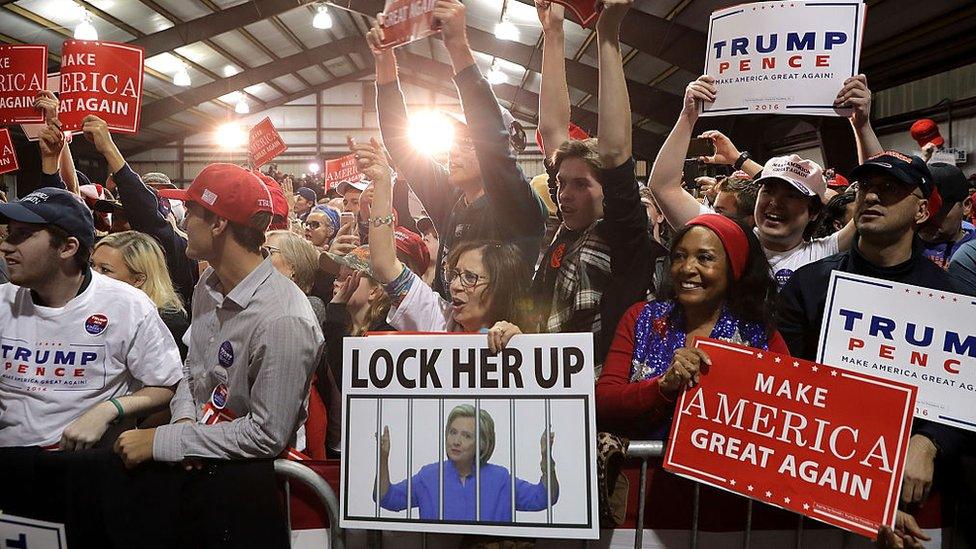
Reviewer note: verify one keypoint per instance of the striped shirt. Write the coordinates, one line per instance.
(261, 341)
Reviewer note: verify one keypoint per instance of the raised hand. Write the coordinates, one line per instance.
(451, 15)
(347, 287)
(856, 95)
(612, 14)
(47, 102)
(726, 153)
(500, 334)
(375, 37)
(551, 15)
(702, 89)
(371, 160)
(385, 442)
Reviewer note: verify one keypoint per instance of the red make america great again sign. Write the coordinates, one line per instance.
(816, 440)
(264, 143)
(104, 79)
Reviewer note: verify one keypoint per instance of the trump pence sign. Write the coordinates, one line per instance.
(915, 335)
(813, 439)
(783, 57)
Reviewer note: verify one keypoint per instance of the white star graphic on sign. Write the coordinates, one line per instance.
(777, 360)
(769, 494)
(732, 482)
(833, 373)
(786, 500)
(749, 487)
(796, 364)
(806, 506)
(759, 355)
(814, 368)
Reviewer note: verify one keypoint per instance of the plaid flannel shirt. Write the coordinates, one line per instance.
(580, 281)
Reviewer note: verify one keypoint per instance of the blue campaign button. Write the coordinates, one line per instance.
(225, 356)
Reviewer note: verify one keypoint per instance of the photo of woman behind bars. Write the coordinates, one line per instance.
(461, 478)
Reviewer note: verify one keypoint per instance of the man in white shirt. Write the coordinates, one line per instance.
(79, 350)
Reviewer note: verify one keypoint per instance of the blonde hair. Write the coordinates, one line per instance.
(486, 429)
(378, 309)
(143, 256)
(300, 255)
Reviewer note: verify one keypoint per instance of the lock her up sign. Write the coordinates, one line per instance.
(783, 57)
(103, 79)
(22, 75)
(910, 334)
(819, 441)
(460, 440)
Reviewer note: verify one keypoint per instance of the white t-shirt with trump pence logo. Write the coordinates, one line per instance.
(56, 363)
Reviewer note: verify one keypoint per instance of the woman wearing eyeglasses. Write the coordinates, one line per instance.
(485, 279)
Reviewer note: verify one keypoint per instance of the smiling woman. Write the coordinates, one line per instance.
(719, 286)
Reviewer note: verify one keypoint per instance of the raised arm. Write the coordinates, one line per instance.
(677, 205)
(382, 482)
(428, 178)
(856, 95)
(614, 132)
(371, 160)
(554, 112)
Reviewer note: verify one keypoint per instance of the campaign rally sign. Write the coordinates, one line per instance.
(406, 21)
(922, 337)
(783, 57)
(8, 154)
(583, 10)
(341, 169)
(525, 467)
(264, 143)
(22, 75)
(25, 533)
(820, 441)
(104, 79)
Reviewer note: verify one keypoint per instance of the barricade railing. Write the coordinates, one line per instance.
(645, 450)
(293, 470)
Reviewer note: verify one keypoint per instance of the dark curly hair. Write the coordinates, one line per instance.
(752, 298)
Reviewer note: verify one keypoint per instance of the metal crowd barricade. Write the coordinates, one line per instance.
(293, 470)
(647, 449)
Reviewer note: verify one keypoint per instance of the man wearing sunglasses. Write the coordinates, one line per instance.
(895, 197)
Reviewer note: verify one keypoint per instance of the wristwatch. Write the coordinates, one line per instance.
(741, 160)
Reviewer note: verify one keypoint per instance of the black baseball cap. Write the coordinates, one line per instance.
(951, 182)
(908, 169)
(57, 207)
(307, 193)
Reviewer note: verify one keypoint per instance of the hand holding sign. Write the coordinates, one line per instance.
(48, 103)
(500, 334)
(551, 15)
(686, 368)
(371, 161)
(376, 38)
(856, 96)
(612, 14)
(700, 91)
(919, 469)
(451, 15)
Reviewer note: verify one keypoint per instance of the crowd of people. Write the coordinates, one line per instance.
(204, 326)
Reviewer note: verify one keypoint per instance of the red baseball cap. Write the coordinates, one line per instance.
(279, 205)
(411, 247)
(575, 133)
(228, 191)
(925, 131)
(838, 182)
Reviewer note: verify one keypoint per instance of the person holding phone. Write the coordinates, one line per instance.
(463, 478)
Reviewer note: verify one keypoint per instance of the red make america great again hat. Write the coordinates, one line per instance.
(228, 191)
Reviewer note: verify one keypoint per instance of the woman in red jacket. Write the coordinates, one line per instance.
(719, 286)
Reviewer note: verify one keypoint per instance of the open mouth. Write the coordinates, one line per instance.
(775, 218)
(690, 286)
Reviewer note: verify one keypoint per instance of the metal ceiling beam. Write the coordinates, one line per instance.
(646, 144)
(213, 24)
(163, 108)
(269, 105)
(667, 40)
(153, 5)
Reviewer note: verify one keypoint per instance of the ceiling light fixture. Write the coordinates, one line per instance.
(85, 30)
(322, 19)
(242, 107)
(182, 77)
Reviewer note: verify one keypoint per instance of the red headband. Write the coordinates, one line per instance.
(733, 238)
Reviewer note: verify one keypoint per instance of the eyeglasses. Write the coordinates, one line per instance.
(884, 188)
(272, 250)
(468, 279)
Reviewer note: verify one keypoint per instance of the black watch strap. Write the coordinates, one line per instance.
(741, 160)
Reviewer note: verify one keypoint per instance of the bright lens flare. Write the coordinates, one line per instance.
(431, 132)
(230, 136)
(313, 167)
